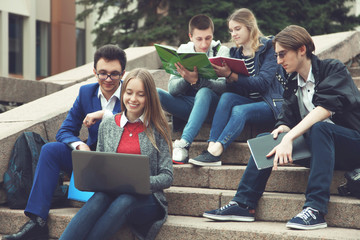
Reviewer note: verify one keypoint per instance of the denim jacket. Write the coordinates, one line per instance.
(265, 81)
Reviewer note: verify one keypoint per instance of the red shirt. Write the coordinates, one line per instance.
(129, 142)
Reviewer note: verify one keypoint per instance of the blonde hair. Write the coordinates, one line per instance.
(246, 17)
(153, 113)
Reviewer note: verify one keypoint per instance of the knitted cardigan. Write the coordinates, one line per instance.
(161, 168)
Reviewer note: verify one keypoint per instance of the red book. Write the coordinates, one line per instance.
(236, 65)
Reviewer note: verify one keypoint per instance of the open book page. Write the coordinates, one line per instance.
(169, 57)
(236, 65)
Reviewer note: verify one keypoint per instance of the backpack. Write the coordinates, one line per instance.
(21, 170)
(352, 185)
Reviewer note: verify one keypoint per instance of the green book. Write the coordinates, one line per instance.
(169, 56)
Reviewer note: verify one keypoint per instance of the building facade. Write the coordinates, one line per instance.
(39, 38)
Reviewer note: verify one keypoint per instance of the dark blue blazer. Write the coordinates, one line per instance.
(86, 102)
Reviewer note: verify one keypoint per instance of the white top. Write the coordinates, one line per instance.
(125, 120)
(307, 90)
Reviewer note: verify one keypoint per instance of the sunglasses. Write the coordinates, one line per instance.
(281, 54)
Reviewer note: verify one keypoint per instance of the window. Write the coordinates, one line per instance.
(42, 49)
(16, 44)
(80, 47)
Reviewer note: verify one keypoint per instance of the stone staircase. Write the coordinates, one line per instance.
(198, 189)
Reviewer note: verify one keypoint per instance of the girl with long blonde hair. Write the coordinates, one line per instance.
(254, 99)
(141, 128)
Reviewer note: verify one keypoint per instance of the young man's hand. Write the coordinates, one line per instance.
(190, 77)
(280, 129)
(283, 151)
(83, 147)
(92, 118)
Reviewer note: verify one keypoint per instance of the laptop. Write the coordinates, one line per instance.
(261, 146)
(115, 173)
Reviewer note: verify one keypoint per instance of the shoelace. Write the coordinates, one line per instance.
(307, 213)
(231, 203)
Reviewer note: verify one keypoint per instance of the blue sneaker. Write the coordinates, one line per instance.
(308, 219)
(231, 212)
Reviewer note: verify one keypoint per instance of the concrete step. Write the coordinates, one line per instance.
(12, 220)
(357, 81)
(196, 190)
(180, 227)
(184, 227)
(237, 153)
(289, 179)
(250, 131)
(274, 207)
(354, 71)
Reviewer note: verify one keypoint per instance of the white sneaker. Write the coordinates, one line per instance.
(181, 151)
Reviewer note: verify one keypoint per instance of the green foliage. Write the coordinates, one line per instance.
(143, 25)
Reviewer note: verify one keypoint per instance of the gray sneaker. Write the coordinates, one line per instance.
(181, 151)
(206, 159)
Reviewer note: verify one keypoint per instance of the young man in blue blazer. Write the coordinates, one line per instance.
(109, 68)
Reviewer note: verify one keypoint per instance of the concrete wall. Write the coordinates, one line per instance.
(23, 91)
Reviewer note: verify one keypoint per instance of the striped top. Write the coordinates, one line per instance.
(250, 65)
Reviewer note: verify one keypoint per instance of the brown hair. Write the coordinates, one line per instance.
(201, 22)
(293, 37)
(153, 113)
(246, 17)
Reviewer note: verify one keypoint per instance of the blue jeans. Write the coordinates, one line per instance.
(332, 147)
(54, 156)
(103, 215)
(194, 110)
(232, 112)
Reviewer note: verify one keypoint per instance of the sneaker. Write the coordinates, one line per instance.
(206, 159)
(181, 151)
(231, 212)
(309, 218)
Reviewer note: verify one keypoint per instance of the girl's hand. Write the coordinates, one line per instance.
(222, 71)
(92, 118)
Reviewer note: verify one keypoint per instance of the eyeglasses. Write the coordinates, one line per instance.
(113, 76)
(281, 54)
